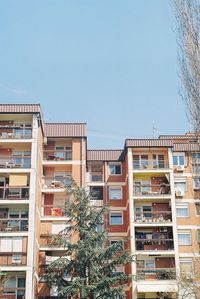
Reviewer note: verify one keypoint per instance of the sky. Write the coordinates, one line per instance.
(109, 63)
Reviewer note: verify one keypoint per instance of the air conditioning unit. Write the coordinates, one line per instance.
(45, 140)
(179, 192)
(16, 259)
(180, 168)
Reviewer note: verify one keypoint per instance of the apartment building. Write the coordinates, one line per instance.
(151, 189)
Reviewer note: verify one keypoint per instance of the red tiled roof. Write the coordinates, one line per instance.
(65, 130)
(148, 143)
(105, 155)
(186, 147)
(186, 136)
(20, 108)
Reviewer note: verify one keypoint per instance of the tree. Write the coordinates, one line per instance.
(188, 31)
(3, 278)
(88, 267)
(188, 284)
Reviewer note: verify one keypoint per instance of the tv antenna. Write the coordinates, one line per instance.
(154, 129)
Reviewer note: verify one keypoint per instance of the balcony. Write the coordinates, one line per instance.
(54, 211)
(154, 244)
(13, 224)
(57, 155)
(96, 177)
(13, 259)
(13, 293)
(96, 203)
(149, 162)
(152, 190)
(15, 131)
(15, 162)
(158, 238)
(156, 274)
(57, 182)
(150, 216)
(18, 193)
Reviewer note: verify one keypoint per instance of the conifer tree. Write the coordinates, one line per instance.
(87, 270)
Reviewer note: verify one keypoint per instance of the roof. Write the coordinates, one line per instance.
(105, 155)
(20, 108)
(186, 147)
(65, 130)
(183, 136)
(148, 143)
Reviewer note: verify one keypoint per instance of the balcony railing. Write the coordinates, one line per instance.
(57, 182)
(154, 244)
(96, 202)
(8, 132)
(150, 165)
(14, 258)
(13, 224)
(64, 155)
(154, 216)
(15, 162)
(13, 293)
(156, 274)
(14, 193)
(54, 211)
(151, 190)
(96, 177)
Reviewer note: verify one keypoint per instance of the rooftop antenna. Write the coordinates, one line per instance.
(154, 129)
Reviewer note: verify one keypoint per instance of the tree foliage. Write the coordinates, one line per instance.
(188, 36)
(88, 267)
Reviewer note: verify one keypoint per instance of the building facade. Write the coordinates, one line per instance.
(150, 188)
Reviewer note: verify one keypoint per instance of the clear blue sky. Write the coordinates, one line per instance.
(110, 63)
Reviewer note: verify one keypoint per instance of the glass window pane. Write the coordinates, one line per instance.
(115, 193)
(116, 218)
(184, 238)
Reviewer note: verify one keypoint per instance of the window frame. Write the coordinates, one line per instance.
(187, 260)
(116, 212)
(116, 187)
(180, 205)
(116, 164)
(178, 159)
(188, 232)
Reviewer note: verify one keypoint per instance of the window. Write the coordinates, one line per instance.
(96, 192)
(143, 212)
(184, 238)
(180, 185)
(115, 193)
(158, 161)
(140, 161)
(179, 159)
(116, 218)
(196, 158)
(197, 205)
(186, 265)
(11, 244)
(150, 264)
(57, 228)
(196, 183)
(182, 210)
(115, 168)
(119, 244)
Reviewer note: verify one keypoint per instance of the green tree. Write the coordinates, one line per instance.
(88, 267)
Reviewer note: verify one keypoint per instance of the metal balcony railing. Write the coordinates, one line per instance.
(151, 190)
(156, 274)
(96, 202)
(150, 165)
(153, 216)
(56, 155)
(14, 193)
(14, 132)
(15, 162)
(57, 182)
(14, 258)
(13, 224)
(154, 244)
